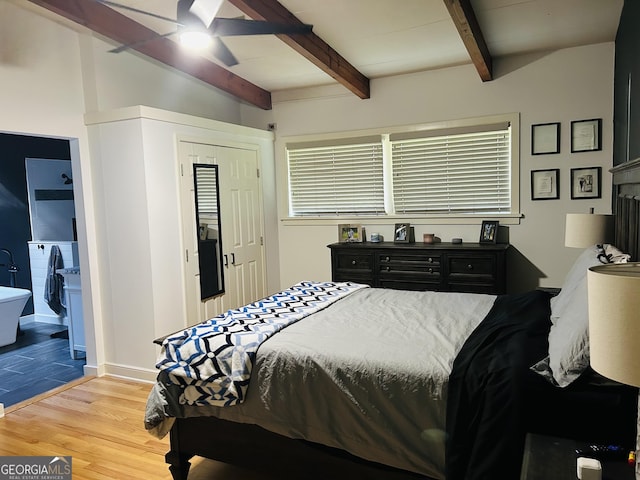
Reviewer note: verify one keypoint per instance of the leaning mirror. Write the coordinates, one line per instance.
(209, 231)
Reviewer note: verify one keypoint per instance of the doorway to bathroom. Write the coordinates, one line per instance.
(41, 358)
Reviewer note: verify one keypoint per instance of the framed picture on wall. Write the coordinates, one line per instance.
(585, 135)
(544, 184)
(585, 182)
(545, 138)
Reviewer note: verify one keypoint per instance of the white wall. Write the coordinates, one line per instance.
(561, 86)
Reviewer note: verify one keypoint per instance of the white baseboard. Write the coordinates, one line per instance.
(54, 320)
(27, 319)
(129, 372)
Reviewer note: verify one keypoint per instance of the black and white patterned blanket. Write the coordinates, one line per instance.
(212, 361)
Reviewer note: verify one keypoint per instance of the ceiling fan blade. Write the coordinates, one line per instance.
(239, 26)
(137, 10)
(205, 10)
(222, 52)
(122, 48)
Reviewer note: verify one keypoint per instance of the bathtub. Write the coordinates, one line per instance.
(12, 302)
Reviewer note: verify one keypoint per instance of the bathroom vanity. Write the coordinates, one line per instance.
(73, 303)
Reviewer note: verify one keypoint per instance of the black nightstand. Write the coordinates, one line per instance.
(553, 291)
(551, 458)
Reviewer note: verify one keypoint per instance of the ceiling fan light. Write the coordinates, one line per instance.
(196, 40)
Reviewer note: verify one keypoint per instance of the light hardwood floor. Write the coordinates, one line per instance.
(99, 423)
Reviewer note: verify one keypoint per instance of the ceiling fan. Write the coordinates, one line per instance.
(198, 17)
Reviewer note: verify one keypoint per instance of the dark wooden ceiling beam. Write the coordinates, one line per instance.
(123, 30)
(466, 22)
(310, 46)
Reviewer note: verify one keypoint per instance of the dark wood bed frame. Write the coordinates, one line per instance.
(229, 442)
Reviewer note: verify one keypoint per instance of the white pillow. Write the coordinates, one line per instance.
(576, 276)
(569, 337)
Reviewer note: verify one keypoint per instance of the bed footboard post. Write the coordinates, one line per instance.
(178, 461)
(178, 464)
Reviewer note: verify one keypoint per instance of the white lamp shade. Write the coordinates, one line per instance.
(585, 229)
(614, 321)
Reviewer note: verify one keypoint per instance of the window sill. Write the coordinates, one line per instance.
(511, 219)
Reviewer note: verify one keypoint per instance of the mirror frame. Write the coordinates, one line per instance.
(209, 250)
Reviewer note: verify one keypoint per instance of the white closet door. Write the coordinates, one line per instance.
(241, 213)
(242, 228)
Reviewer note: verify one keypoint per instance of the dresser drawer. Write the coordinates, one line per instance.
(421, 269)
(354, 261)
(419, 260)
(409, 271)
(353, 276)
(473, 269)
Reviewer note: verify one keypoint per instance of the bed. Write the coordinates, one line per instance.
(392, 384)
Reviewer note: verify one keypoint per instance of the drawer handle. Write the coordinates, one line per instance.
(388, 269)
(469, 267)
(387, 259)
(430, 260)
(430, 270)
(353, 262)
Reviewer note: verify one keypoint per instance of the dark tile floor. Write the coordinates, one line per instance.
(36, 363)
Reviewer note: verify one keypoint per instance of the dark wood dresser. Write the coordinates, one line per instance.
(467, 267)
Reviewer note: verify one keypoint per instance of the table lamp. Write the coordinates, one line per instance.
(614, 322)
(585, 229)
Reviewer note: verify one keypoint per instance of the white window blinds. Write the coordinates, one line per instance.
(206, 181)
(468, 172)
(339, 179)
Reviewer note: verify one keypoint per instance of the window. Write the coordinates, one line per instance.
(466, 169)
(336, 179)
(460, 172)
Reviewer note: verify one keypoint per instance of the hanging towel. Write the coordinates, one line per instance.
(54, 285)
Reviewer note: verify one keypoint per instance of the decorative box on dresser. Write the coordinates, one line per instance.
(466, 267)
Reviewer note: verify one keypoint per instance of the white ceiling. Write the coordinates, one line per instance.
(390, 37)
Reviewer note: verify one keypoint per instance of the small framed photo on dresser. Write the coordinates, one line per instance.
(402, 233)
(489, 231)
(350, 233)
